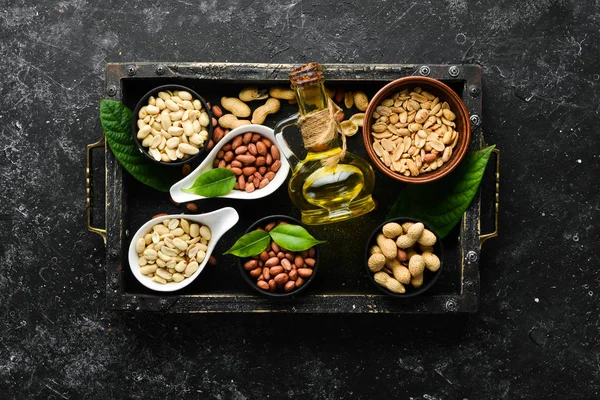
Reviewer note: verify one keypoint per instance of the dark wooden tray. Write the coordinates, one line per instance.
(341, 285)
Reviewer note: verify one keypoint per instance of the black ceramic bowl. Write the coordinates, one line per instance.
(429, 278)
(252, 281)
(144, 101)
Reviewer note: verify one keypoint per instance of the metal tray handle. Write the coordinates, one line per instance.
(486, 236)
(88, 188)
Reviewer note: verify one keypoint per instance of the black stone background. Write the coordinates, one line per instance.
(536, 333)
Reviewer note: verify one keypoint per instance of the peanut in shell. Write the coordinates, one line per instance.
(376, 262)
(402, 274)
(392, 230)
(416, 265)
(387, 246)
(432, 262)
(394, 286)
(427, 238)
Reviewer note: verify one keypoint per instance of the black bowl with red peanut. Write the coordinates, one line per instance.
(253, 158)
(278, 272)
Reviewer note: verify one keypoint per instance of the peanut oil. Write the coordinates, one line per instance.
(326, 192)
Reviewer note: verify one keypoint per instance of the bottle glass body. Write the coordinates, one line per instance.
(328, 192)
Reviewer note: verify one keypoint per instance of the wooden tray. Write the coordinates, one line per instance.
(341, 285)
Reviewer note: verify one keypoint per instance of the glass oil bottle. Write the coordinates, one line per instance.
(330, 184)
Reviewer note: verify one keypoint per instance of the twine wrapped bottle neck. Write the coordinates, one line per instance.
(320, 128)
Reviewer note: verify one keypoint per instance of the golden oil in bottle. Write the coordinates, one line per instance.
(326, 191)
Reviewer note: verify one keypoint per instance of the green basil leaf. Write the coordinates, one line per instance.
(250, 244)
(213, 183)
(441, 204)
(293, 237)
(116, 121)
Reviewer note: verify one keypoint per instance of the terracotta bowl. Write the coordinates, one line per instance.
(445, 93)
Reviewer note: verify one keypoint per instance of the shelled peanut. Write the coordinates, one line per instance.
(252, 158)
(414, 132)
(172, 250)
(173, 126)
(401, 255)
(279, 270)
(358, 99)
(350, 126)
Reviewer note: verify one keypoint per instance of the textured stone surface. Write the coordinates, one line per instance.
(536, 334)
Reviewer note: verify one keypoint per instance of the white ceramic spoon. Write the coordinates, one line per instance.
(219, 222)
(181, 197)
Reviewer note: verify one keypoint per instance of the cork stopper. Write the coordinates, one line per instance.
(305, 75)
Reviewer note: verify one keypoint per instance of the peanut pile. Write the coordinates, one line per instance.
(401, 255)
(234, 112)
(239, 110)
(414, 133)
(252, 158)
(279, 270)
(172, 250)
(173, 126)
(349, 99)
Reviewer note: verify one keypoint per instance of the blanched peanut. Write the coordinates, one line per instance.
(205, 232)
(140, 245)
(176, 128)
(148, 269)
(172, 250)
(191, 268)
(194, 230)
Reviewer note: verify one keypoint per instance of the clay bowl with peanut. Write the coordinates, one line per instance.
(172, 125)
(250, 152)
(277, 272)
(404, 257)
(416, 129)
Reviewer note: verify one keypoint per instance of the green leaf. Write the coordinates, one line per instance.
(250, 244)
(293, 237)
(441, 204)
(213, 183)
(116, 121)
